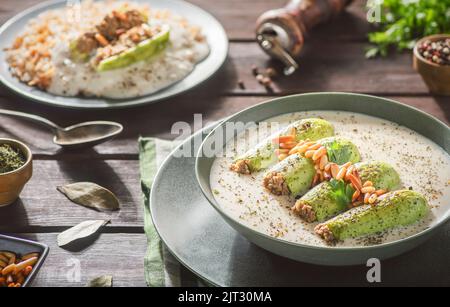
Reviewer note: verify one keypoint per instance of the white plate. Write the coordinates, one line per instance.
(212, 29)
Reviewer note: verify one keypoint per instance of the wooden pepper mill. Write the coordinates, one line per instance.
(281, 32)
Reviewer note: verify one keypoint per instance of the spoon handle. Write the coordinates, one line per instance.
(31, 117)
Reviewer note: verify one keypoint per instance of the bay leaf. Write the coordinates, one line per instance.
(104, 281)
(90, 195)
(80, 231)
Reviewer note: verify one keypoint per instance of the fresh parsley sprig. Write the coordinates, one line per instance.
(341, 192)
(405, 21)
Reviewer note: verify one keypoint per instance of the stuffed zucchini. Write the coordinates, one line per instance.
(123, 37)
(332, 197)
(399, 208)
(265, 153)
(295, 174)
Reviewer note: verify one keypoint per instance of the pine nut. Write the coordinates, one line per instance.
(373, 198)
(368, 189)
(319, 153)
(22, 265)
(346, 165)
(327, 166)
(334, 170)
(366, 198)
(323, 161)
(349, 172)
(9, 269)
(314, 146)
(302, 149)
(341, 173)
(356, 195)
(368, 183)
(30, 255)
(380, 192)
(354, 182)
(309, 153)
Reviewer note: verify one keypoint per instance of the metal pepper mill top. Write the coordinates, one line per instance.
(281, 32)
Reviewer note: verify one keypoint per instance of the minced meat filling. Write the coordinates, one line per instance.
(87, 43)
(305, 211)
(275, 183)
(126, 41)
(241, 167)
(324, 232)
(114, 24)
(111, 29)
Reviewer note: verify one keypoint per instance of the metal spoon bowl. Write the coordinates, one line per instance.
(86, 134)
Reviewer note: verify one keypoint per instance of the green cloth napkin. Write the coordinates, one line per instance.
(161, 268)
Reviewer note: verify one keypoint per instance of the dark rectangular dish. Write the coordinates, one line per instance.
(22, 247)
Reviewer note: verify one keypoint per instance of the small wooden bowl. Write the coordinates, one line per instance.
(437, 77)
(12, 183)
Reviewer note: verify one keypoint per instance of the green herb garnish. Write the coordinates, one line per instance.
(341, 192)
(404, 21)
(10, 158)
(337, 153)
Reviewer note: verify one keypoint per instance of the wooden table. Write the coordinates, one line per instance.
(333, 60)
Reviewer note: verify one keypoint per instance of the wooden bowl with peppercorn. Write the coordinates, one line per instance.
(432, 60)
(16, 169)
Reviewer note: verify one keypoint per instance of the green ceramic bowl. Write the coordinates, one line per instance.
(412, 118)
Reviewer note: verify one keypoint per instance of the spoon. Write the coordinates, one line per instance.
(86, 134)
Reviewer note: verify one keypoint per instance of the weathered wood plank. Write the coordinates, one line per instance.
(152, 120)
(41, 205)
(119, 255)
(239, 17)
(332, 66)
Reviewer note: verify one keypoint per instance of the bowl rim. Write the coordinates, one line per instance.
(418, 56)
(227, 216)
(28, 153)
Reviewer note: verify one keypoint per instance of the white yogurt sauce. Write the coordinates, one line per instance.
(142, 78)
(422, 165)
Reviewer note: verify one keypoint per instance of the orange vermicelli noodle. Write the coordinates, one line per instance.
(365, 192)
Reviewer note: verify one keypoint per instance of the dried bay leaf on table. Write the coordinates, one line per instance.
(101, 281)
(90, 195)
(80, 231)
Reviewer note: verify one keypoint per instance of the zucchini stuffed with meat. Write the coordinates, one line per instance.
(144, 50)
(333, 197)
(294, 175)
(264, 154)
(123, 37)
(399, 208)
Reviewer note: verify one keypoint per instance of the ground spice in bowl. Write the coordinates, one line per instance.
(11, 158)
